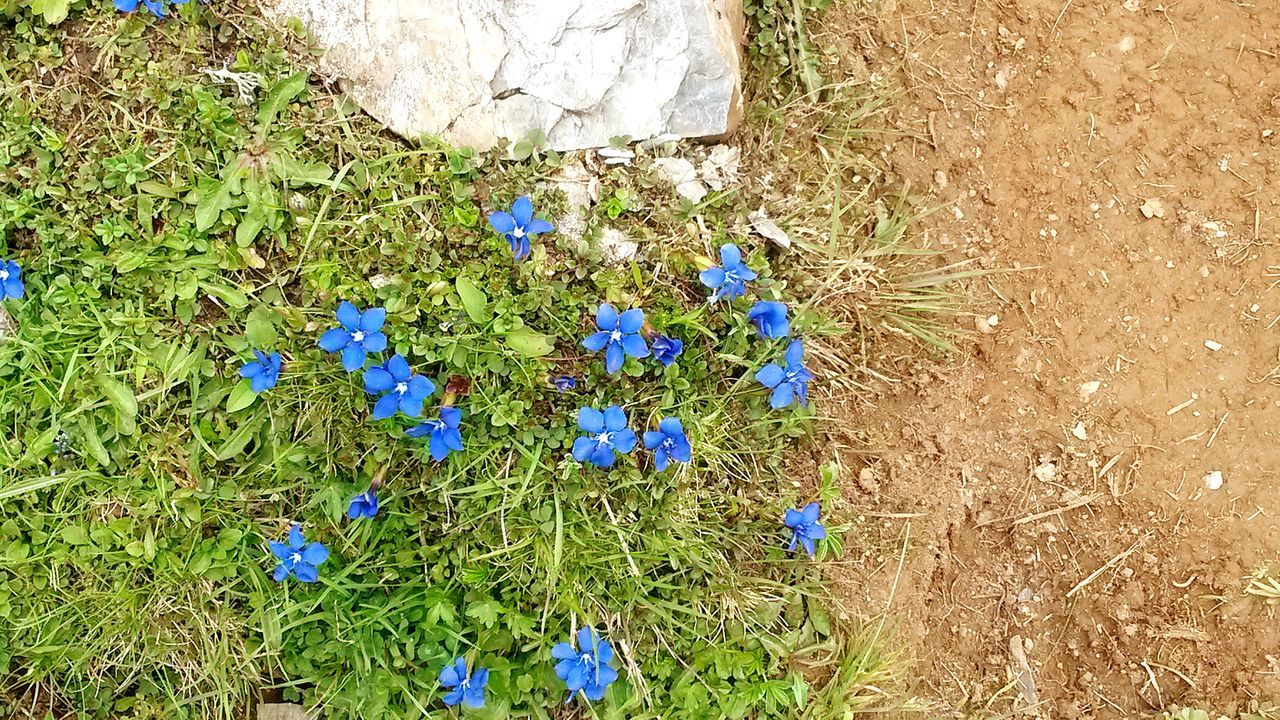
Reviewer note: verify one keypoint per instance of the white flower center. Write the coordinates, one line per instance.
(668, 443)
(616, 336)
(296, 558)
(402, 387)
(357, 336)
(4, 275)
(586, 659)
(517, 233)
(604, 438)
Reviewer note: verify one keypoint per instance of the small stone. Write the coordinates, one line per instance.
(940, 179)
(684, 175)
(1087, 390)
(1152, 208)
(1213, 345)
(993, 320)
(1132, 5)
(1046, 472)
(761, 223)
(1213, 481)
(282, 711)
(1079, 431)
(616, 246)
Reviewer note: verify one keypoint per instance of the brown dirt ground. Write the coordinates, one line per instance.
(1073, 525)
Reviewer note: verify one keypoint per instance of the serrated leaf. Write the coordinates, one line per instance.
(529, 343)
(279, 96)
(474, 301)
(241, 397)
(120, 396)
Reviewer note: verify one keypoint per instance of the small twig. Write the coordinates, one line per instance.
(1216, 429)
(626, 549)
(1048, 513)
(1106, 566)
(1182, 405)
(1152, 676)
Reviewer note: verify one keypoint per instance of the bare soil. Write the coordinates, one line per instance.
(1117, 164)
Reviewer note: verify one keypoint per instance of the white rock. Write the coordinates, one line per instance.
(1213, 481)
(582, 71)
(684, 175)
(769, 229)
(616, 246)
(720, 169)
(1152, 208)
(1087, 389)
(1213, 345)
(1079, 431)
(1045, 472)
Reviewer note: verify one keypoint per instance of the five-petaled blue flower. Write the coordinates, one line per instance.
(400, 387)
(564, 383)
(263, 372)
(445, 436)
(519, 225)
(770, 319)
(619, 336)
(730, 280)
(11, 285)
(805, 527)
(466, 689)
(787, 383)
(360, 333)
(607, 432)
(155, 6)
(299, 557)
(668, 443)
(666, 349)
(585, 668)
(364, 505)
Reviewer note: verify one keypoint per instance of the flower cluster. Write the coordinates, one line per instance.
(519, 226)
(298, 557)
(585, 668)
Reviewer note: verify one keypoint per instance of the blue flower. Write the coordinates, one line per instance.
(770, 319)
(519, 225)
(400, 387)
(262, 373)
(155, 6)
(805, 527)
(666, 350)
(564, 383)
(360, 333)
(668, 443)
(11, 285)
(364, 505)
(620, 334)
(730, 280)
(607, 432)
(789, 383)
(467, 689)
(445, 436)
(299, 557)
(586, 668)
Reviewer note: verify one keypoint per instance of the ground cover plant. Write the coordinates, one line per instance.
(293, 407)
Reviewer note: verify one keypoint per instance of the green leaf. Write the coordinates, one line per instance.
(213, 199)
(529, 343)
(241, 397)
(151, 187)
(120, 395)
(93, 442)
(233, 298)
(54, 11)
(260, 327)
(474, 301)
(279, 96)
(235, 444)
(74, 535)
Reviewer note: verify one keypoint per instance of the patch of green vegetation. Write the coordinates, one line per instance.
(166, 229)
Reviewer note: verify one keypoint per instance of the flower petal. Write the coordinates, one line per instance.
(660, 460)
(793, 518)
(781, 396)
(582, 449)
(375, 342)
(262, 382)
(795, 354)
(410, 405)
(453, 698)
(522, 210)
(770, 375)
(386, 407)
(353, 357)
(419, 430)
(279, 549)
(538, 227)
(602, 456)
(451, 416)
(452, 439)
(306, 573)
(563, 651)
(606, 317)
(315, 554)
(378, 380)
(372, 319)
(399, 368)
(613, 358)
(624, 441)
(596, 342)
(817, 531)
(730, 256)
(296, 541)
(502, 222)
(281, 572)
(420, 387)
(348, 315)
(590, 420)
(810, 513)
(653, 439)
(634, 346)
(712, 277)
(334, 340)
(587, 639)
(614, 418)
(631, 321)
(252, 369)
(671, 426)
(439, 451)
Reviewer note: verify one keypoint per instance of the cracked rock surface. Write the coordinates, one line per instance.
(582, 71)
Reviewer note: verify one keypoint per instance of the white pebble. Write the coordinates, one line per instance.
(1213, 480)
(1213, 345)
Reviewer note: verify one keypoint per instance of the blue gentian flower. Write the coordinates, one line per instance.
(445, 436)
(787, 383)
(298, 558)
(668, 443)
(360, 333)
(805, 527)
(730, 280)
(364, 505)
(467, 689)
(519, 225)
(607, 432)
(155, 6)
(666, 350)
(770, 319)
(263, 372)
(564, 383)
(585, 668)
(11, 285)
(620, 334)
(400, 387)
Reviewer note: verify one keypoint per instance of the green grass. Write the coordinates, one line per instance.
(166, 229)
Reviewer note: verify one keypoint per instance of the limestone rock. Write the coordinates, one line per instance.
(582, 71)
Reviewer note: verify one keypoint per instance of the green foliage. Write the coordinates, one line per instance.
(780, 46)
(167, 229)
